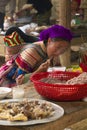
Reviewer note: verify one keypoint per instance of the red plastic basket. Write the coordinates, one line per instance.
(59, 92)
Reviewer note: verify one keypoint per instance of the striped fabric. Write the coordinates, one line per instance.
(27, 61)
(13, 39)
(30, 59)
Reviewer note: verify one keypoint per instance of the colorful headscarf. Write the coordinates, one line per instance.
(13, 39)
(56, 31)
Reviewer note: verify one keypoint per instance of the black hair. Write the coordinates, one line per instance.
(25, 37)
(59, 39)
(56, 39)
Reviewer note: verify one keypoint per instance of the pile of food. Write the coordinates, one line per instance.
(81, 79)
(52, 80)
(25, 110)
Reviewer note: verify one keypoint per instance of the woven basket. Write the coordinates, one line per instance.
(59, 92)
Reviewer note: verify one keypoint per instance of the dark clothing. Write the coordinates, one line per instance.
(43, 8)
(2, 15)
(41, 5)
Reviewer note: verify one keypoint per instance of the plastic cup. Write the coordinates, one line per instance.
(18, 93)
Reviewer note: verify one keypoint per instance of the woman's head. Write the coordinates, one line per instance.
(56, 47)
(57, 39)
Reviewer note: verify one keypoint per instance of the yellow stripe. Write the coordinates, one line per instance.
(30, 56)
(9, 40)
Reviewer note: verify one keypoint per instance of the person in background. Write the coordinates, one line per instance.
(43, 10)
(35, 57)
(75, 7)
(3, 4)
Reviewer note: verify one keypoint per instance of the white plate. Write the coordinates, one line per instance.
(59, 112)
(4, 91)
(51, 69)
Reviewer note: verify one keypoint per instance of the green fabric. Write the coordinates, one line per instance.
(26, 78)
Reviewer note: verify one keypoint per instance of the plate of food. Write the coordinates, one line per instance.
(4, 91)
(21, 112)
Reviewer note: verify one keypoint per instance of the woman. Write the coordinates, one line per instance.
(11, 34)
(53, 41)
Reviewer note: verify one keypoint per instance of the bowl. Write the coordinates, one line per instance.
(59, 92)
(4, 91)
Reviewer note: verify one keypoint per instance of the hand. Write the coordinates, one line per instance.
(20, 79)
(24, 8)
(27, 6)
(43, 67)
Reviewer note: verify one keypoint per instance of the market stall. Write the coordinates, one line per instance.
(70, 113)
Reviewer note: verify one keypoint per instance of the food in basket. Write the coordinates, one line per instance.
(25, 110)
(81, 79)
(53, 80)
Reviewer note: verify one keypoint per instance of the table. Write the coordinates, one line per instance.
(75, 116)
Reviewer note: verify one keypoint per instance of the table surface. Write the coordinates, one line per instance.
(75, 116)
